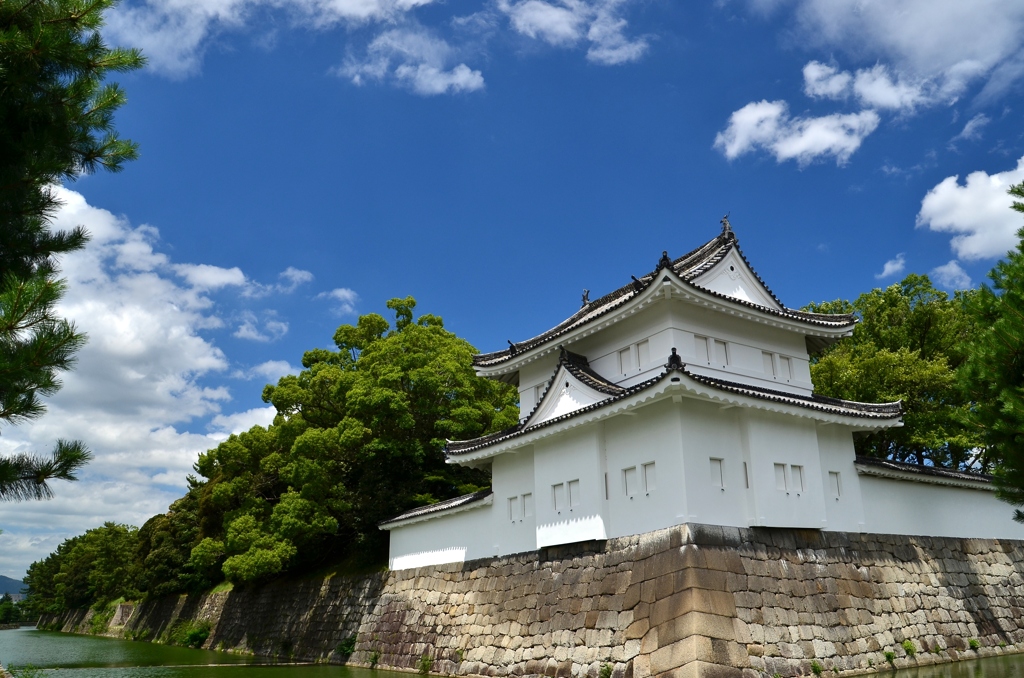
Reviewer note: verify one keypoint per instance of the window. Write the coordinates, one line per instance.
(746, 476)
(629, 481)
(785, 368)
(558, 496)
(701, 347)
(721, 353)
(833, 481)
(513, 508)
(780, 478)
(717, 479)
(769, 364)
(650, 481)
(574, 493)
(643, 353)
(528, 504)
(606, 486)
(626, 360)
(538, 393)
(797, 474)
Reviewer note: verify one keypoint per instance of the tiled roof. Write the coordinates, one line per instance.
(445, 505)
(848, 408)
(923, 470)
(818, 403)
(688, 267)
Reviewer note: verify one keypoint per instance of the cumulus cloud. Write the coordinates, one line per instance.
(893, 267)
(767, 125)
(224, 425)
(268, 329)
(825, 81)
(947, 43)
(344, 300)
(413, 58)
(876, 87)
(951, 276)
(146, 376)
(977, 212)
(567, 23)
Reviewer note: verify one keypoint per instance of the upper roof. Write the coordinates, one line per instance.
(688, 268)
(698, 384)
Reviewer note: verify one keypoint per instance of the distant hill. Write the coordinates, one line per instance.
(8, 585)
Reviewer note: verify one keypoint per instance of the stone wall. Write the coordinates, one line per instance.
(693, 600)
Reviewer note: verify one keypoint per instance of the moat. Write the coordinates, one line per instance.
(78, 656)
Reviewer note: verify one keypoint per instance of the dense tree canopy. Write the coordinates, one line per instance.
(995, 370)
(56, 122)
(909, 345)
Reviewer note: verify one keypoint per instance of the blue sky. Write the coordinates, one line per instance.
(303, 161)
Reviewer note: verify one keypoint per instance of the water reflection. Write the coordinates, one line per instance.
(76, 656)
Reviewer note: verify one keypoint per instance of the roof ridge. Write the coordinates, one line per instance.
(709, 254)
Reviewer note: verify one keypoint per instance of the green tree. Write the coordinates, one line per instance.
(909, 345)
(8, 611)
(358, 437)
(91, 569)
(56, 117)
(995, 370)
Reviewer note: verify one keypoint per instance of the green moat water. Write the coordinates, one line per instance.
(73, 656)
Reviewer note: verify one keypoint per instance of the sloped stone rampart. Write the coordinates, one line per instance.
(690, 601)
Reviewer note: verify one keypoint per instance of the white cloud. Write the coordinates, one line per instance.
(951, 276)
(567, 23)
(225, 425)
(175, 33)
(344, 298)
(249, 328)
(271, 370)
(949, 43)
(207, 277)
(413, 58)
(825, 81)
(977, 212)
(293, 277)
(140, 382)
(893, 267)
(874, 87)
(972, 130)
(767, 125)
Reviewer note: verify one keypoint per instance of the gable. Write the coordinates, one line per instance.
(565, 395)
(734, 278)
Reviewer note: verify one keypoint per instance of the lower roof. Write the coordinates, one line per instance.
(822, 404)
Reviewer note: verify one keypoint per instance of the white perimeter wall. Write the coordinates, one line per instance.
(902, 507)
(451, 538)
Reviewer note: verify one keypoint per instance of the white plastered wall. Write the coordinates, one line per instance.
(571, 460)
(447, 538)
(515, 501)
(912, 508)
(714, 453)
(785, 470)
(844, 506)
(644, 498)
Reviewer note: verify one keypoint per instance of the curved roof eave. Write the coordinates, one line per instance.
(861, 416)
(578, 326)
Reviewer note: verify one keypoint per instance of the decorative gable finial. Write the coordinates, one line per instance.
(586, 297)
(726, 226)
(675, 362)
(664, 262)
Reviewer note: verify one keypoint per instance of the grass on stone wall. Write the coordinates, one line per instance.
(189, 633)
